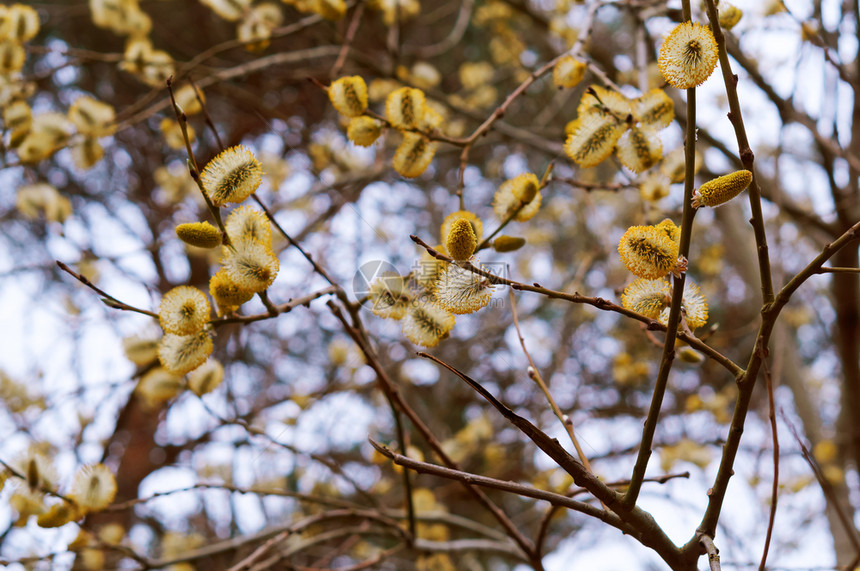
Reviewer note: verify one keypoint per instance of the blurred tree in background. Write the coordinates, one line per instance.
(530, 133)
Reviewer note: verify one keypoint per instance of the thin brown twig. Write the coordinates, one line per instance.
(775, 487)
(277, 309)
(347, 41)
(505, 486)
(826, 487)
(261, 551)
(107, 299)
(837, 270)
(535, 375)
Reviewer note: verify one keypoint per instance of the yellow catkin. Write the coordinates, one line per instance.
(184, 310)
(426, 323)
(94, 487)
(688, 56)
(476, 223)
(206, 378)
(404, 108)
(461, 291)
(180, 354)
(389, 296)
(592, 139)
(414, 155)
(729, 15)
(199, 234)
(226, 292)
(461, 241)
(722, 189)
(508, 243)
(649, 253)
(602, 101)
(639, 148)
(364, 131)
(670, 229)
(654, 108)
(568, 72)
(232, 176)
(349, 95)
(648, 297)
(520, 194)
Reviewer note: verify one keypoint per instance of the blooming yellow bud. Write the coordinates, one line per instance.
(246, 223)
(12, 56)
(648, 253)
(648, 297)
(414, 155)
(654, 187)
(232, 176)
(603, 101)
(476, 223)
(199, 234)
(722, 189)
(508, 243)
(87, 152)
(670, 229)
(206, 378)
(94, 487)
(389, 296)
(654, 108)
(92, 117)
(520, 194)
(426, 323)
(461, 291)
(592, 139)
(140, 350)
(639, 148)
(59, 515)
(20, 23)
(363, 131)
(688, 56)
(568, 71)
(690, 356)
(404, 108)
(349, 95)
(180, 354)
(251, 264)
(729, 15)
(226, 292)
(461, 241)
(183, 310)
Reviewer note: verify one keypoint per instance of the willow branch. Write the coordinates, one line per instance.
(511, 487)
(107, 299)
(746, 154)
(598, 302)
(645, 529)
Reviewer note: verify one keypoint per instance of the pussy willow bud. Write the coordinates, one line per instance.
(461, 241)
(722, 189)
(508, 243)
(349, 95)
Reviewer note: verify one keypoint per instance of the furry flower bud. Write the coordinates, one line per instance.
(461, 241)
(349, 95)
(688, 56)
(199, 234)
(722, 189)
(649, 253)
